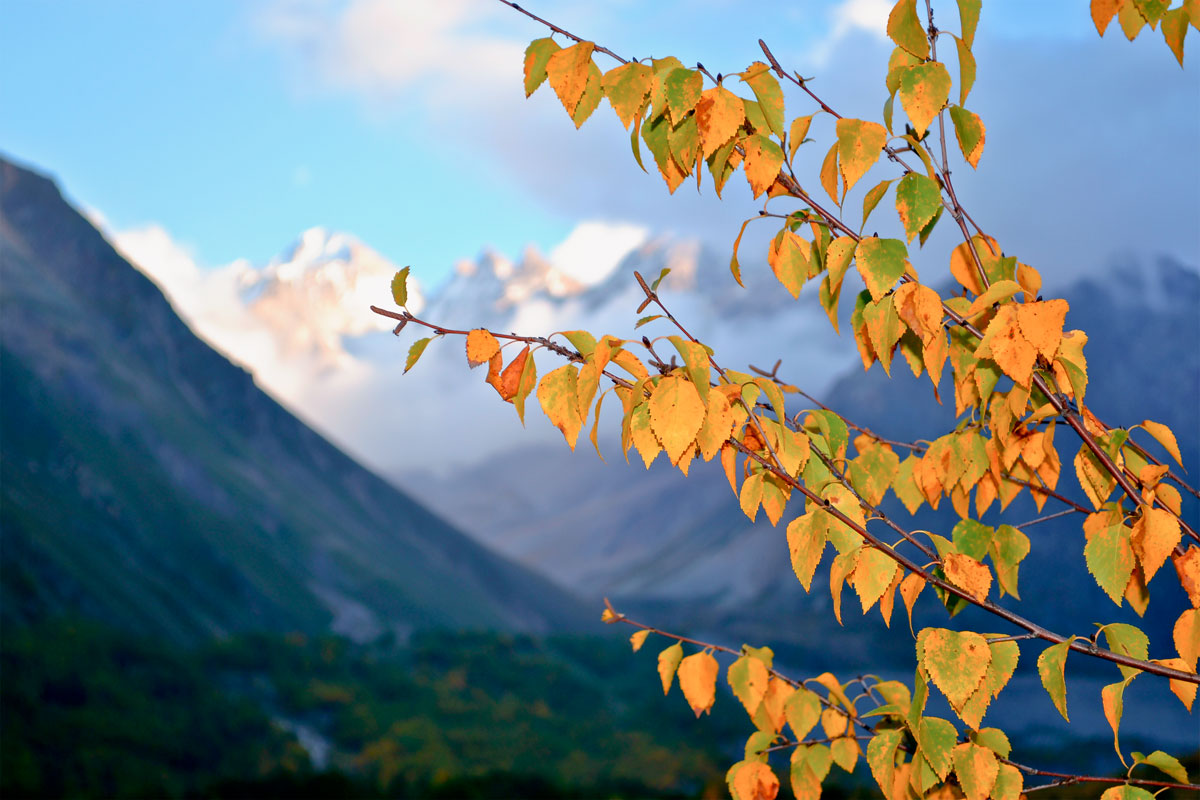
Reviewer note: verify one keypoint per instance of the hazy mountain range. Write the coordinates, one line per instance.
(148, 482)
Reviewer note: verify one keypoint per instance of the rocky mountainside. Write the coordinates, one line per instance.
(146, 481)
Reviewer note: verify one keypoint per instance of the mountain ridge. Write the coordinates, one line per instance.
(148, 481)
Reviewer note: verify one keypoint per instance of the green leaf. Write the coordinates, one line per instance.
(966, 70)
(859, 143)
(400, 287)
(972, 538)
(626, 88)
(770, 96)
(664, 273)
(1126, 792)
(582, 341)
(536, 56)
(1127, 640)
(1110, 559)
(683, 88)
(936, 738)
(918, 199)
(881, 756)
(993, 739)
(525, 387)
(589, 101)
(1051, 666)
(905, 29)
(924, 90)
(881, 263)
(415, 351)
(668, 662)
(757, 744)
(968, 14)
(1008, 547)
(872, 198)
(748, 677)
(969, 130)
(834, 429)
(802, 710)
(1166, 763)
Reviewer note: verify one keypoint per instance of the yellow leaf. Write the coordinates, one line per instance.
(638, 639)
(642, 435)
(1184, 690)
(859, 145)
(798, 133)
(873, 575)
(676, 415)
(558, 399)
(910, 590)
(1186, 635)
(481, 346)
(905, 29)
(977, 770)
(569, 70)
(1164, 436)
(698, 680)
(668, 663)
(1155, 535)
(829, 173)
(751, 496)
(748, 677)
(968, 574)
(774, 702)
(806, 543)
(626, 88)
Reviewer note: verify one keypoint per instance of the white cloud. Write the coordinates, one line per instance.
(593, 249)
(385, 48)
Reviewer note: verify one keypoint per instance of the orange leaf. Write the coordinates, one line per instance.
(510, 379)
(1164, 436)
(698, 680)
(1042, 324)
(1103, 11)
(1184, 690)
(763, 160)
(1155, 535)
(481, 346)
(754, 780)
(968, 574)
(1186, 635)
(719, 114)
(1188, 568)
(1004, 344)
(569, 70)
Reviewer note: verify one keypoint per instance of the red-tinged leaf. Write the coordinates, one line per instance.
(1051, 665)
(638, 639)
(763, 160)
(829, 173)
(668, 663)
(769, 95)
(918, 199)
(881, 262)
(1186, 635)
(788, 257)
(626, 88)
(414, 352)
(905, 29)
(977, 770)
(560, 403)
(859, 146)
(481, 346)
(969, 130)
(754, 780)
(968, 15)
(525, 387)
(719, 114)
(569, 70)
(1164, 436)
(956, 662)
(510, 379)
(1103, 11)
(798, 134)
(924, 90)
(536, 57)
(400, 287)
(682, 88)
(806, 536)
(1110, 560)
(1174, 28)
(698, 680)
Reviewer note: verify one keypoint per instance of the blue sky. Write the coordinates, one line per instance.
(236, 125)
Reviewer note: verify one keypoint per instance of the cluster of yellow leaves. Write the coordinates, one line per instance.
(1135, 15)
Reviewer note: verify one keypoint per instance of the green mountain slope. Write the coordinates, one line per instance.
(146, 481)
